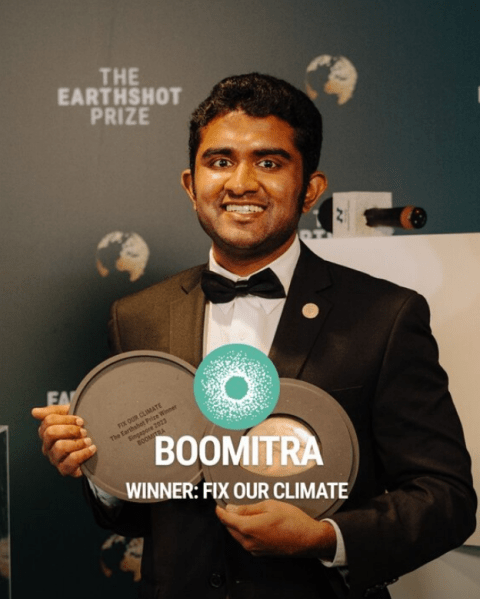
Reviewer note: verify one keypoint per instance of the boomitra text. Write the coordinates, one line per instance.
(211, 450)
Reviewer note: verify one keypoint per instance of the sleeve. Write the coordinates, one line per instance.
(123, 517)
(340, 557)
(104, 497)
(429, 506)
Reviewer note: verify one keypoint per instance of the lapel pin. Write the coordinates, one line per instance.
(310, 310)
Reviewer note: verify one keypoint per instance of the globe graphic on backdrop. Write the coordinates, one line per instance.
(122, 554)
(341, 77)
(122, 252)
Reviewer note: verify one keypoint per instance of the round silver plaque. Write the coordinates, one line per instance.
(317, 485)
(128, 401)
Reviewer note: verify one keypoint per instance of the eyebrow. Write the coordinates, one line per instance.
(273, 152)
(217, 151)
(226, 151)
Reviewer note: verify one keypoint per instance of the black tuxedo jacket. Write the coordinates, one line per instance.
(371, 348)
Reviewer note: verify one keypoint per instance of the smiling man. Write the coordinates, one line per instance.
(249, 189)
(254, 150)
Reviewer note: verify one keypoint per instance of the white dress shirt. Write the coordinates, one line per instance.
(248, 319)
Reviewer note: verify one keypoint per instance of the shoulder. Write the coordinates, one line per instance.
(348, 279)
(354, 292)
(355, 281)
(380, 297)
(163, 292)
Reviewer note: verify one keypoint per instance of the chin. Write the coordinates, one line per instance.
(239, 241)
(243, 249)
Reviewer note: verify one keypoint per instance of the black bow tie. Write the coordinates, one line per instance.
(220, 290)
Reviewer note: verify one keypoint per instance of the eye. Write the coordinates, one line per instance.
(221, 163)
(268, 164)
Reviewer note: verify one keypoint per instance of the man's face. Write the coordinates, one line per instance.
(247, 186)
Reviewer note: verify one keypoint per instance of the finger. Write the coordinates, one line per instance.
(40, 413)
(220, 511)
(55, 433)
(57, 419)
(71, 464)
(238, 522)
(229, 519)
(64, 447)
(247, 510)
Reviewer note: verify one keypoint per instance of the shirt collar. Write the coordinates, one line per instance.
(283, 267)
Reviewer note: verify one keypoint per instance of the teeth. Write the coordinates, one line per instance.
(243, 208)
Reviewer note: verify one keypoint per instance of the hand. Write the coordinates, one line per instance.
(65, 441)
(276, 528)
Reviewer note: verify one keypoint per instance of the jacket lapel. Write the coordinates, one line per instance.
(187, 316)
(303, 316)
(297, 330)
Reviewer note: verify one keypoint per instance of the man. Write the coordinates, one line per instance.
(254, 149)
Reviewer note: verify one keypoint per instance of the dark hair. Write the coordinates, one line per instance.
(261, 96)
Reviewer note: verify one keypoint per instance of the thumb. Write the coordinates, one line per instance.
(41, 413)
(246, 510)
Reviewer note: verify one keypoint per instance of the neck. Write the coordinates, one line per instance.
(245, 265)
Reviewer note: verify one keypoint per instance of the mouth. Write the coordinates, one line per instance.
(243, 208)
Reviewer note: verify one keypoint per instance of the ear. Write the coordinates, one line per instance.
(316, 186)
(187, 184)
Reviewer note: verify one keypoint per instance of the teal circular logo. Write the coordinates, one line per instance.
(236, 386)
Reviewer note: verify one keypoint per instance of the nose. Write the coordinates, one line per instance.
(242, 180)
